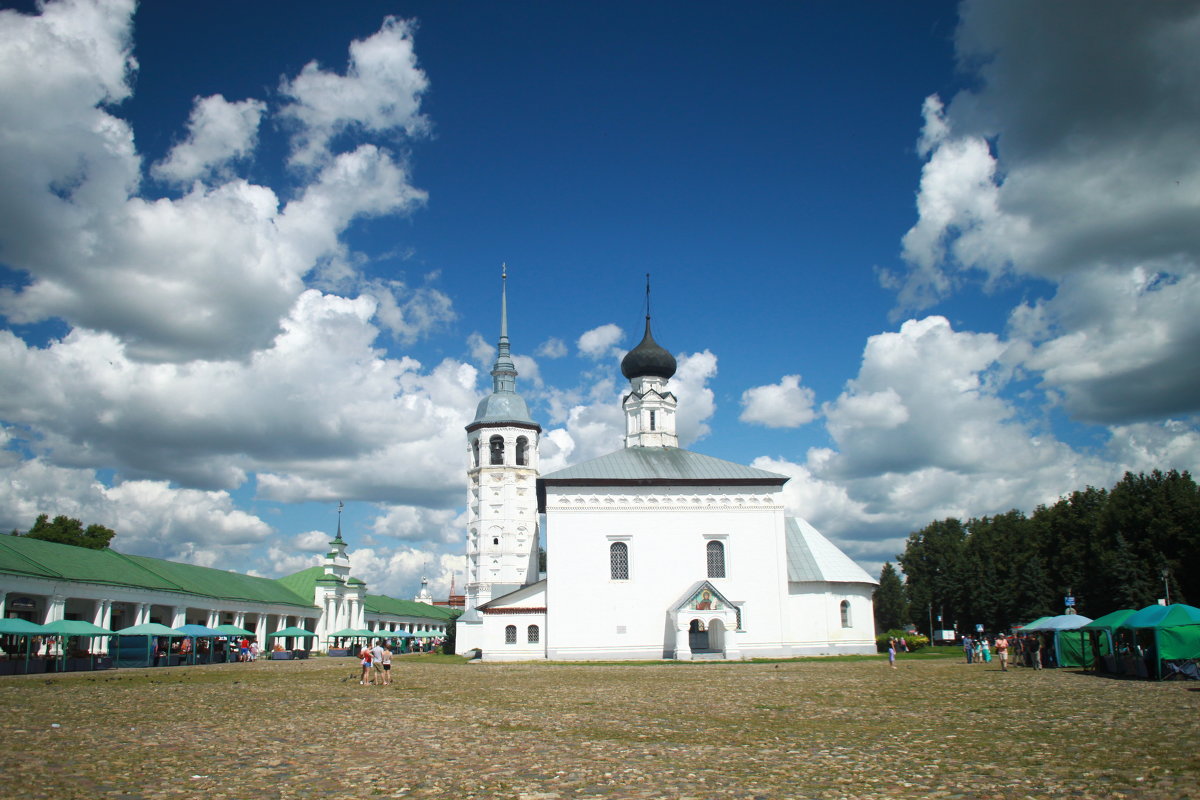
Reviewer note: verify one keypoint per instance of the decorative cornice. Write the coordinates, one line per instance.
(514, 610)
(695, 502)
(474, 426)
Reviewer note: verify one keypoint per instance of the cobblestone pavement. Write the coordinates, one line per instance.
(805, 729)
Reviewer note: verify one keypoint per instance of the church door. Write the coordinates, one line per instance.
(697, 636)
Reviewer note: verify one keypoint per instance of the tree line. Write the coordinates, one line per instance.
(67, 530)
(1125, 547)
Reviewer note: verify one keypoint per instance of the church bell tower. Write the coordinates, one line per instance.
(502, 471)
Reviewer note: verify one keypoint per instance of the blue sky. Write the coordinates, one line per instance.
(927, 260)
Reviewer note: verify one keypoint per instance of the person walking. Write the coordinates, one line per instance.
(1035, 650)
(377, 662)
(1002, 652)
(967, 648)
(892, 653)
(366, 658)
(387, 664)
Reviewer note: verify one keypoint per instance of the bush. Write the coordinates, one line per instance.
(915, 641)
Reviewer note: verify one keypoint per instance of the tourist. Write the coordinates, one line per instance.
(987, 650)
(254, 651)
(892, 653)
(968, 649)
(1002, 652)
(377, 661)
(366, 658)
(1035, 650)
(244, 649)
(387, 664)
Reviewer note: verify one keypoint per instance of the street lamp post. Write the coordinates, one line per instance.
(1166, 585)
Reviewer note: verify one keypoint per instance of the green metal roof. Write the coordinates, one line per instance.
(382, 604)
(304, 582)
(20, 555)
(209, 582)
(660, 465)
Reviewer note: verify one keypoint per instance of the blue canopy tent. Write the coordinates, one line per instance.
(134, 638)
(195, 632)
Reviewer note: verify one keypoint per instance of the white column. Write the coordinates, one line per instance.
(54, 609)
(178, 616)
(100, 644)
(3, 602)
(239, 619)
(213, 619)
(260, 630)
(683, 650)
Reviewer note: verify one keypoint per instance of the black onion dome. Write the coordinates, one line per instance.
(648, 358)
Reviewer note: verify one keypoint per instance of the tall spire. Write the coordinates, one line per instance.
(647, 298)
(338, 539)
(503, 404)
(504, 372)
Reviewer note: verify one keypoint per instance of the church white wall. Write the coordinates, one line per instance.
(815, 618)
(592, 616)
(497, 648)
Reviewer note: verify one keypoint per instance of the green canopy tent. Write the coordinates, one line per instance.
(1068, 649)
(1097, 639)
(150, 631)
(232, 632)
(1164, 633)
(67, 628)
(353, 634)
(22, 630)
(295, 633)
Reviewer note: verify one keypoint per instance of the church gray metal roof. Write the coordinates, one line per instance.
(813, 558)
(660, 465)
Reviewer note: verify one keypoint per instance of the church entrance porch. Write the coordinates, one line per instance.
(703, 622)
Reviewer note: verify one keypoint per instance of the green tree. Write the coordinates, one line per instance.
(891, 608)
(65, 530)
(1151, 523)
(933, 566)
(1067, 536)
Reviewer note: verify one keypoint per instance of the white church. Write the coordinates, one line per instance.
(652, 552)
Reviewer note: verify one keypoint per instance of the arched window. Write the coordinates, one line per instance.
(510, 634)
(618, 561)
(475, 453)
(532, 634)
(522, 446)
(845, 613)
(496, 446)
(716, 559)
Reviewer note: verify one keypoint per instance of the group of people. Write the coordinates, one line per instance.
(1026, 650)
(376, 664)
